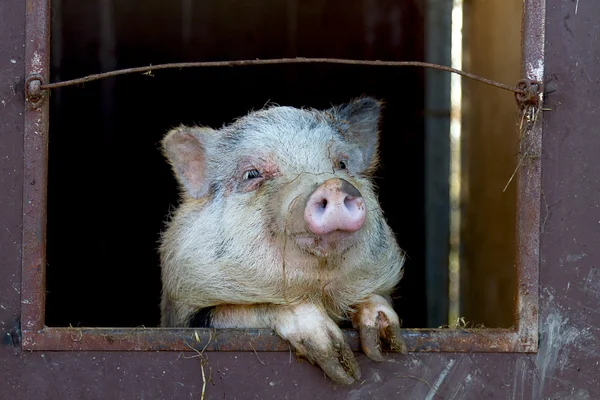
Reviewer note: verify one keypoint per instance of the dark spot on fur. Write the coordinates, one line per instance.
(222, 248)
(380, 244)
(312, 124)
(349, 188)
(231, 139)
(216, 188)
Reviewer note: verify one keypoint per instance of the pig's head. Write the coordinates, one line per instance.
(292, 177)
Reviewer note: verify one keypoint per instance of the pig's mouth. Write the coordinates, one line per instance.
(331, 244)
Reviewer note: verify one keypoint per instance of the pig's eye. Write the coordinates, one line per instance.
(251, 174)
(343, 164)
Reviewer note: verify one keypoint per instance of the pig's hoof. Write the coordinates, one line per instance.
(379, 327)
(317, 338)
(337, 361)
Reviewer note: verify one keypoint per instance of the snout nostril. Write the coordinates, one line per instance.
(349, 201)
(324, 203)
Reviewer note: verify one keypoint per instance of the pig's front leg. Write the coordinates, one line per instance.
(306, 326)
(377, 322)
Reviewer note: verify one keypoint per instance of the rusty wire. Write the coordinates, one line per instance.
(520, 90)
(298, 60)
(527, 92)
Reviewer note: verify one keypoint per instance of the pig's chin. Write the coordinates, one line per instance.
(332, 244)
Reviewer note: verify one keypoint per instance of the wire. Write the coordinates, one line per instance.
(298, 60)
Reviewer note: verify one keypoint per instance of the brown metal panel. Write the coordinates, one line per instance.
(122, 375)
(12, 55)
(565, 367)
(569, 313)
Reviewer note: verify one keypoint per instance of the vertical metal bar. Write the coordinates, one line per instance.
(438, 34)
(529, 185)
(37, 58)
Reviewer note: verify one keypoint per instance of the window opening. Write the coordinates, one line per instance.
(36, 336)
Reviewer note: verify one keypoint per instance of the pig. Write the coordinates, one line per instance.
(279, 227)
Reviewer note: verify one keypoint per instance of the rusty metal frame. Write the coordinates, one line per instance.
(37, 336)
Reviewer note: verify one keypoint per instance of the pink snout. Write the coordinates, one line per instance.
(336, 205)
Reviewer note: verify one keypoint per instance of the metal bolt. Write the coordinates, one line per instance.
(33, 89)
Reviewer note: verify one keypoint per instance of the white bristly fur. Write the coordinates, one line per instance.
(237, 249)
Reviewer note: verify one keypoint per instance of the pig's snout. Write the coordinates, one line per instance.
(336, 205)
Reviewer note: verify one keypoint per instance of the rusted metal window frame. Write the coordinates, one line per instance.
(36, 336)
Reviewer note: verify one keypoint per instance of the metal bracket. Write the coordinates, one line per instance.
(531, 93)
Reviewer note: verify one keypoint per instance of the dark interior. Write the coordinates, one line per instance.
(109, 187)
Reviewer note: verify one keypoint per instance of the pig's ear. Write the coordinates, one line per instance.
(186, 150)
(361, 120)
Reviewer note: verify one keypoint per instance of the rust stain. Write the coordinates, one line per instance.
(152, 339)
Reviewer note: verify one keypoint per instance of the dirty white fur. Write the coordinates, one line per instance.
(230, 247)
